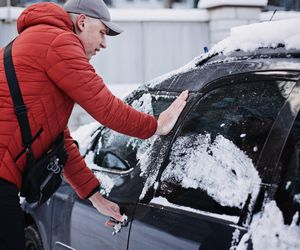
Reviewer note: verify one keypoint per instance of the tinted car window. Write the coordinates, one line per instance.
(288, 176)
(211, 166)
(125, 147)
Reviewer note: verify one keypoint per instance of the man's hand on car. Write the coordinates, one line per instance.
(106, 207)
(165, 123)
(168, 118)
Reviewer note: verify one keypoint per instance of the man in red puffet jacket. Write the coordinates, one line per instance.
(51, 58)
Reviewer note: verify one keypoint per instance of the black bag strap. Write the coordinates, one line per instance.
(19, 106)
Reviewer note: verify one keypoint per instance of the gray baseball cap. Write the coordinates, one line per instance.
(95, 9)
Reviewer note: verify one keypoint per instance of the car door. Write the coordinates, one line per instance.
(277, 206)
(287, 176)
(62, 205)
(210, 173)
(116, 161)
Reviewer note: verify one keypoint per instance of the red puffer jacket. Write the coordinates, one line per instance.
(53, 72)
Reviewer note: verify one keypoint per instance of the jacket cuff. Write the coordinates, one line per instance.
(95, 190)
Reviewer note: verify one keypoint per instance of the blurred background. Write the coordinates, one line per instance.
(282, 4)
(159, 35)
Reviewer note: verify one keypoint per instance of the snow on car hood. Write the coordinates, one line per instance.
(268, 231)
(220, 168)
(247, 38)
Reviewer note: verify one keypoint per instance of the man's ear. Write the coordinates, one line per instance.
(81, 22)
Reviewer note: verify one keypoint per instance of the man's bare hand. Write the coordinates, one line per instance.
(168, 118)
(106, 207)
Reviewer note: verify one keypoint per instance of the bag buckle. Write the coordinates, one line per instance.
(29, 154)
(21, 109)
(54, 165)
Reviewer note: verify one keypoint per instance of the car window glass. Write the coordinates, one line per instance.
(211, 166)
(130, 149)
(288, 192)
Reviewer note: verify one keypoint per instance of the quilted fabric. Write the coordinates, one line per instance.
(54, 73)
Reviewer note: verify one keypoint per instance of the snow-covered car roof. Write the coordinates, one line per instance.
(259, 40)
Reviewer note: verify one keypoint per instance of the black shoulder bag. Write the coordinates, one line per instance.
(42, 177)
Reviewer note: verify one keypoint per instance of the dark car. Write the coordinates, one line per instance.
(233, 152)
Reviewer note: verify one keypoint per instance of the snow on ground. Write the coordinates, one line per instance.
(267, 231)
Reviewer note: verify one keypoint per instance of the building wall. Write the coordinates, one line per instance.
(148, 49)
(153, 43)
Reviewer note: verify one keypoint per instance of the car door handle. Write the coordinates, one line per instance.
(118, 224)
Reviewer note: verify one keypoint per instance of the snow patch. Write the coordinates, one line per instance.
(268, 231)
(235, 239)
(164, 202)
(146, 161)
(219, 168)
(297, 198)
(106, 183)
(267, 34)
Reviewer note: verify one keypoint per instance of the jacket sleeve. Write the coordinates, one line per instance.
(68, 67)
(76, 172)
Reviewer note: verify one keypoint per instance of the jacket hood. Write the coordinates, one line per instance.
(44, 13)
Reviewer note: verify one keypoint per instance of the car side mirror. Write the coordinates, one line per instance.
(112, 161)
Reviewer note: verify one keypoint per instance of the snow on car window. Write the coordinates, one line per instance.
(139, 151)
(144, 104)
(219, 167)
(268, 231)
(149, 160)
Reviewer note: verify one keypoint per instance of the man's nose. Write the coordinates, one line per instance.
(103, 43)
